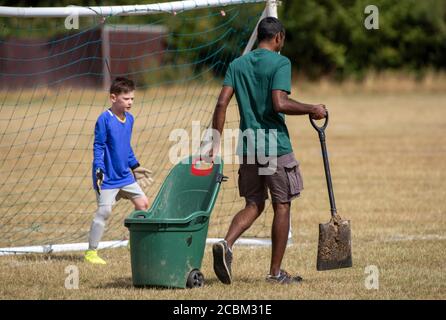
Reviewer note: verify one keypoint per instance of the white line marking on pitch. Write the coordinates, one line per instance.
(401, 237)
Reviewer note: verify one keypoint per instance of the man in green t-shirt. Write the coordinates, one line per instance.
(261, 81)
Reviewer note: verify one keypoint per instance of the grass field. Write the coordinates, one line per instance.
(387, 147)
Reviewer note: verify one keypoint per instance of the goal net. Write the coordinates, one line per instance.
(55, 69)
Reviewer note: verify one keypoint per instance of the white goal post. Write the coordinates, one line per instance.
(129, 10)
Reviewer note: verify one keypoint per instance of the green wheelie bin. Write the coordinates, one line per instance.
(167, 242)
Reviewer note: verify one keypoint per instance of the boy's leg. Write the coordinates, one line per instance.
(98, 226)
(95, 235)
(141, 203)
(136, 195)
(106, 199)
(105, 202)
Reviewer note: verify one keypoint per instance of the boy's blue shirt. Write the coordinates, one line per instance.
(112, 150)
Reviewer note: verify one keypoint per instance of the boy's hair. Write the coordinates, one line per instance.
(122, 85)
(268, 28)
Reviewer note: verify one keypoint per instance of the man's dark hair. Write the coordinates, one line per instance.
(268, 28)
(122, 85)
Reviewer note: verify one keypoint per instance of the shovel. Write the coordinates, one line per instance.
(334, 248)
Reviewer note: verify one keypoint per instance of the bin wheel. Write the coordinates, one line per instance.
(195, 279)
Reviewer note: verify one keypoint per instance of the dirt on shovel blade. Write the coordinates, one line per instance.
(334, 250)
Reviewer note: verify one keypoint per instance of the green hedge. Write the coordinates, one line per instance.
(329, 37)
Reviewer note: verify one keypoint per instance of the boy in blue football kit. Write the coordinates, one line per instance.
(116, 171)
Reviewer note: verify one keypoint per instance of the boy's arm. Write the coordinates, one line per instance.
(133, 163)
(142, 175)
(100, 138)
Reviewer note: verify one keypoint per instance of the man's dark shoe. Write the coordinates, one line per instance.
(283, 278)
(222, 261)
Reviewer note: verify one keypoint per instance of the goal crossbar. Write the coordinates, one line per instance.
(127, 10)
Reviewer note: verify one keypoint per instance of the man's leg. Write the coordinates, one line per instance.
(285, 185)
(222, 251)
(243, 220)
(252, 187)
(279, 235)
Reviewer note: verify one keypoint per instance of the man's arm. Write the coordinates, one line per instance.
(218, 120)
(283, 104)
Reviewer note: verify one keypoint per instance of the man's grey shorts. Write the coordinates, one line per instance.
(108, 197)
(284, 184)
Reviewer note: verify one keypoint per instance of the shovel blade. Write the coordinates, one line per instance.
(334, 249)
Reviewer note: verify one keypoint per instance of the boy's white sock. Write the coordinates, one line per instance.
(98, 226)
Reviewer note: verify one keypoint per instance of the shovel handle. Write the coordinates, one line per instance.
(321, 132)
(324, 126)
